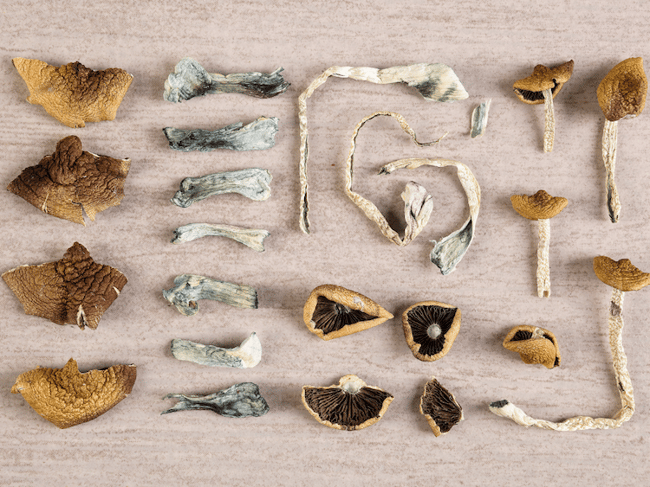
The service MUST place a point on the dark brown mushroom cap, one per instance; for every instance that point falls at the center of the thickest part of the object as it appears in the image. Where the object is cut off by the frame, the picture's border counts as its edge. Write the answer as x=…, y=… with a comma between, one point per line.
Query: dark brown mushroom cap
x=529, y=90
x=73, y=290
x=534, y=345
x=350, y=405
x=620, y=274
x=623, y=90
x=66, y=397
x=63, y=183
x=540, y=206
x=440, y=408
x=334, y=311
x=430, y=329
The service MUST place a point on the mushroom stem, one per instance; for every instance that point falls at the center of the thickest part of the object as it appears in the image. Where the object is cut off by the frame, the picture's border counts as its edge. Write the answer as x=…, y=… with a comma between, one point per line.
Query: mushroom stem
x=549, y=121
x=543, y=267
x=610, y=132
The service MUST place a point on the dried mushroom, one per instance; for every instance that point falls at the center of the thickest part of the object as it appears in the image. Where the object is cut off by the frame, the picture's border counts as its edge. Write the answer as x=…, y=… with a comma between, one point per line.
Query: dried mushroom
x=245, y=356
x=73, y=93
x=480, y=119
x=350, y=405
x=621, y=93
x=252, y=238
x=430, y=329
x=72, y=181
x=440, y=408
x=541, y=207
x=334, y=311
x=534, y=345
x=66, y=397
x=239, y=401
x=73, y=290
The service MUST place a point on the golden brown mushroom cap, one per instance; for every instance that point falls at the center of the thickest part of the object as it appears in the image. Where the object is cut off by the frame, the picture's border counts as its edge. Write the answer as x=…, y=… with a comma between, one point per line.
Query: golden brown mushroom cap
x=623, y=90
x=440, y=408
x=334, y=311
x=620, y=274
x=540, y=206
x=529, y=90
x=66, y=397
x=72, y=93
x=430, y=329
x=534, y=345
x=350, y=405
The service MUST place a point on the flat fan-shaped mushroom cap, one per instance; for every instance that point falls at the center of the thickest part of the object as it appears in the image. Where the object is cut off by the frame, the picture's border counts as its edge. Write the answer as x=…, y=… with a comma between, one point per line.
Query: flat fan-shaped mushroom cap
x=529, y=90
x=430, y=329
x=620, y=274
x=623, y=90
x=66, y=397
x=350, y=405
x=440, y=408
x=334, y=311
x=540, y=206
x=534, y=345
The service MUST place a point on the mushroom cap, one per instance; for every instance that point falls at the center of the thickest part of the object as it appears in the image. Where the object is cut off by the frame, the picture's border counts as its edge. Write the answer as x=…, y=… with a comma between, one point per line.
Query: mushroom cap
x=620, y=274
x=540, y=206
x=623, y=90
x=430, y=329
x=534, y=345
x=66, y=397
x=350, y=405
x=334, y=311
x=440, y=407
x=529, y=90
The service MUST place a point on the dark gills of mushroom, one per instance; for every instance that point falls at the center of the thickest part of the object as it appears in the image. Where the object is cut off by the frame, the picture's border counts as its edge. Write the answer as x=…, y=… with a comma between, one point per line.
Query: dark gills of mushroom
x=440, y=408
x=534, y=345
x=330, y=316
x=430, y=329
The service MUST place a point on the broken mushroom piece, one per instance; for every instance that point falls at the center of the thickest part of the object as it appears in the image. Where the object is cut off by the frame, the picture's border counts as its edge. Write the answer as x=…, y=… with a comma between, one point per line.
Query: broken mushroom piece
x=440, y=408
x=72, y=93
x=242, y=400
x=334, y=311
x=621, y=94
x=480, y=119
x=534, y=345
x=541, y=87
x=252, y=238
x=430, y=329
x=73, y=290
x=245, y=356
x=66, y=397
x=350, y=405
x=541, y=207
x=72, y=181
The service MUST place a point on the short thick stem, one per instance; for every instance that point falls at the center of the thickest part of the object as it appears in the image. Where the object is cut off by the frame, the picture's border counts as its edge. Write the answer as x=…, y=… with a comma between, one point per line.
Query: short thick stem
x=549, y=121
x=543, y=267
x=610, y=132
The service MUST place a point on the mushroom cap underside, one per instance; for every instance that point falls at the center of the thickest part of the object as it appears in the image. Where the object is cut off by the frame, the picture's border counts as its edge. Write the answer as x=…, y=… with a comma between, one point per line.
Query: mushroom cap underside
x=530, y=89
x=620, y=274
x=430, y=328
x=623, y=90
x=540, y=206
x=440, y=407
x=534, y=345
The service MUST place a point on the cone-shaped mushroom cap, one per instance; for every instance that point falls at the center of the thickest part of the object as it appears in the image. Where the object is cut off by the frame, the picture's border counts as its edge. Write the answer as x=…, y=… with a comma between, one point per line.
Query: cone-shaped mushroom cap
x=430, y=329
x=333, y=311
x=534, y=345
x=623, y=90
x=540, y=206
x=621, y=275
x=350, y=405
x=529, y=90
x=66, y=397
x=440, y=408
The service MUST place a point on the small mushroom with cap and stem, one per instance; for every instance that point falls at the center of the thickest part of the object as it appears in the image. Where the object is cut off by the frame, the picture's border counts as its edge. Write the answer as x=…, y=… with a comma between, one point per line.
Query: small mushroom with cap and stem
x=621, y=94
x=534, y=345
x=541, y=207
x=430, y=329
x=541, y=87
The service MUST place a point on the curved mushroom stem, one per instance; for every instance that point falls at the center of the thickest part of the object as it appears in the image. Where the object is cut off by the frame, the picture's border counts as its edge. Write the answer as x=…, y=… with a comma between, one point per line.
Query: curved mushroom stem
x=549, y=121
x=610, y=132
x=506, y=409
x=543, y=267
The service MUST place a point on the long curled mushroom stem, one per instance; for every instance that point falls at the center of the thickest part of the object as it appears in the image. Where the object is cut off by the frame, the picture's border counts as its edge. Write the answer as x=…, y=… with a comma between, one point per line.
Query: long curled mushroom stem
x=543, y=266
x=549, y=120
x=610, y=133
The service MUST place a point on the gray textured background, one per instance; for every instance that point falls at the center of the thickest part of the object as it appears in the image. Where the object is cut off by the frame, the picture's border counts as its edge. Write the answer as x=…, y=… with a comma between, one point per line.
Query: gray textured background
x=494, y=285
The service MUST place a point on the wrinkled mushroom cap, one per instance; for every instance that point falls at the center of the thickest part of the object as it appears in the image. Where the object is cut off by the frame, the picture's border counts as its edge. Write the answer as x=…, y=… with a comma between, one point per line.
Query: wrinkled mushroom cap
x=66, y=397
x=540, y=206
x=430, y=329
x=334, y=311
x=623, y=90
x=350, y=405
x=440, y=408
x=534, y=345
x=529, y=90
x=620, y=274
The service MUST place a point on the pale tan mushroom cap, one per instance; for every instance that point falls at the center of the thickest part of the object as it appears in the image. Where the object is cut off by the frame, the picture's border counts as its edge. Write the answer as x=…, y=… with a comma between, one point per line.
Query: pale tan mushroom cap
x=417, y=320
x=534, y=345
x=67, y=397
x=620, y=274
x=623, y=90
x=540, y=206
x=529, y=90
x=72, y=93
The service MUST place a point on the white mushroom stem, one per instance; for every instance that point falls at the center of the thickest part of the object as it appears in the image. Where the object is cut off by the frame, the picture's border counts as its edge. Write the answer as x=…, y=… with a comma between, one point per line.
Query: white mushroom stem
x=549, y=121
x=506, y=409
x=543, y=266
x=610, y=133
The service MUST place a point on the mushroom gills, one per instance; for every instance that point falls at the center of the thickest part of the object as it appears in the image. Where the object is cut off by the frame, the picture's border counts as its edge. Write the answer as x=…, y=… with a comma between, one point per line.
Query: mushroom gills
x=535, y=95
x=330, y=316
x=429, y=325
x=440, y=408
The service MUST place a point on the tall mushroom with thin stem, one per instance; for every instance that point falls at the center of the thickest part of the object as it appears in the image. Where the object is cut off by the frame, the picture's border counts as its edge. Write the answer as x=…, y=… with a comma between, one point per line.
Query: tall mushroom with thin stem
x=541, y=87
x=621, y=94
x=541, y=207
